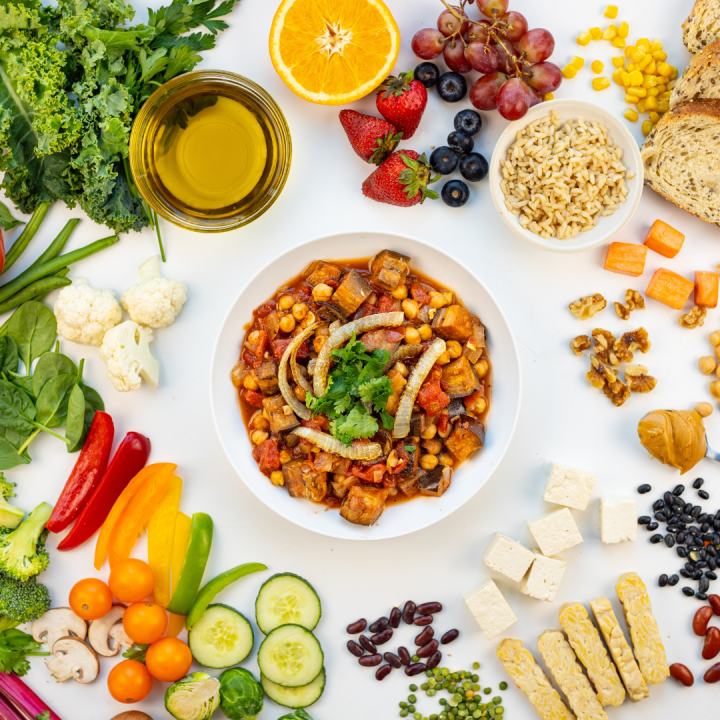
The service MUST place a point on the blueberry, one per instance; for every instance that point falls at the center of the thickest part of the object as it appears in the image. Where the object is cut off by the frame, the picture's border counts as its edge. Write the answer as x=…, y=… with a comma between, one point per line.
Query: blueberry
x=444, y=160
x=452, y=87
x=427, y=73
x=460, y=142
x=455, y=193
x=468, y=121
x=474, y=167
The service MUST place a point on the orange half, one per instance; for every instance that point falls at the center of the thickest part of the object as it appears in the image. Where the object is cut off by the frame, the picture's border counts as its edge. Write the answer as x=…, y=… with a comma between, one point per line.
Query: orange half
x=333, y=51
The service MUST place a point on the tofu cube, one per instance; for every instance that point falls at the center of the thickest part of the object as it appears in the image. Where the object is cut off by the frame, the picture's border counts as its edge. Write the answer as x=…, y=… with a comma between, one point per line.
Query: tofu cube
x=554, y=532
x=490, y=609
x=618, y=519
x=569, y=487
x=543, y=579
x=508, y=557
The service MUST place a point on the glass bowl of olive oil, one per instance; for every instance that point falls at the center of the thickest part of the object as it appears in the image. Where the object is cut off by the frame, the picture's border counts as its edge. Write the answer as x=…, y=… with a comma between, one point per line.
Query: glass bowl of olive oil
x=210, y=151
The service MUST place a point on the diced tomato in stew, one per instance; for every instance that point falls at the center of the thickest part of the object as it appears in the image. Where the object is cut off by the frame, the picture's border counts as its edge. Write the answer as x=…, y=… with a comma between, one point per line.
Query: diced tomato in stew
x=432, y=399
x=279, y=347
x=372, y=473
x=265, y=309
x=385, y=304
x=443, y=423
x=469, y=400
x=258, y=347
x=267, y=455
x=319, y=423
x=419, y=293
x=251, y=360
x=254, y=397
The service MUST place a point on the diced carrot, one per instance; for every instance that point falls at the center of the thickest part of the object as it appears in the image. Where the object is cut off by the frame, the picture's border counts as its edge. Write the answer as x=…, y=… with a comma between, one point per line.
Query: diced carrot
x=670, y=288
x=626, y=258
x=664, y=239
x=706, y=289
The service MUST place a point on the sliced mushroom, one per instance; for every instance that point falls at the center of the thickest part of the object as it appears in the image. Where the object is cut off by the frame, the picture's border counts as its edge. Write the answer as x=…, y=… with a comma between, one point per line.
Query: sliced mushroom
x=109, y=628
x=72, y=658
x=57, y=623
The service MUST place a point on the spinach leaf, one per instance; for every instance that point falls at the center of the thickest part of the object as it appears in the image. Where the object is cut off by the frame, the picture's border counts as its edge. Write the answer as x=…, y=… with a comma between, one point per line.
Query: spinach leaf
x=16, y=409
x=33, y=327
x=9, y=359
x=93, y=404
x=7, y=221
x=9, y=457
x=52, y=402
x=75, y=428
x=24, y=382
x=50, y=365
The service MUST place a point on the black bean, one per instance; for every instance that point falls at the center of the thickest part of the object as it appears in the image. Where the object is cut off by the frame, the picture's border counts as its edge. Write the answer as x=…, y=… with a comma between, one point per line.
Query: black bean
x=703, y=554
x=678, y=490
x=701, y=564
x=690, y=567
x=370, y=660
x=382, y=637
x=693, y=530
x=382, y=672
x=698, y=483
x=662, y=580
x=415, y=669
x=704, y=494
x=707, y=537
x=681, y=537
x=379, y=625
x=395, y=617
x=392, y=659
x=652, y=526
x=434, y=660
x=703, y=584
x=644, y=489
x=428, y=649
x=357, y=627
x=687, y=509
x=710, y=575
x=671, y=529
x=704, y=527
x=696, y=510
x=423, y=620
x=660, y=516
x=659, y=504
x=355, y=649
x=656, y=539
x=365, y=642
x=712, y=563
x=404, y=655
x=685, y=573
x=716, y=524
x=701, y=596
x=672, y=520
x=704, y=518
x=449, y=636
x=668, y=499
x=681, y=525
x=429, y=608
x=425, y=636
x=716, y=538
x=673, y=580
x=408, y=612
x=688, y=591
x=644, y=519
x=670, y=540
x=686, y=518
x=681, y=551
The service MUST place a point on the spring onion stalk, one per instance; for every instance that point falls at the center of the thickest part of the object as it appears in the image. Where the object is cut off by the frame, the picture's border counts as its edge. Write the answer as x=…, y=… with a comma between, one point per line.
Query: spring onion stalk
x=35, y=291
x=24, y=238
x=157, y=231
x=13, y=689
x=57, y=245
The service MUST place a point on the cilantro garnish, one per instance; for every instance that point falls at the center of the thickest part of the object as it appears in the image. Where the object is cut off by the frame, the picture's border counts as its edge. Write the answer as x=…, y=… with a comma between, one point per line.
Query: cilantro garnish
x=356, y=378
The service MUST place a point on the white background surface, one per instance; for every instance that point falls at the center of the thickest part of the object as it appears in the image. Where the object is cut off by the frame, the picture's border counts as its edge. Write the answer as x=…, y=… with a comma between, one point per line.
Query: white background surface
x=562, y=419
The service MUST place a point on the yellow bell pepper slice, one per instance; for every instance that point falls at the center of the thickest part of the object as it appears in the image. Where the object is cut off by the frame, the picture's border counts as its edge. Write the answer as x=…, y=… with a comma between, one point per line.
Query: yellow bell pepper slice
x=183, y=525
x=161, y=533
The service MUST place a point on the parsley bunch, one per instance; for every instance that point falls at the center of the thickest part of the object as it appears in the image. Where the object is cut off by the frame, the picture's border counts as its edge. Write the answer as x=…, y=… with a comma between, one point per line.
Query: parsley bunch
x=357, y=378
x=15, y=648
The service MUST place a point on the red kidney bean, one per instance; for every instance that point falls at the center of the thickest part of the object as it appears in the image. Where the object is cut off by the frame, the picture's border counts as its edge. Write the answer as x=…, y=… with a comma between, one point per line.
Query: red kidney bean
x=425, y=636
x=449, y=636
x=713, y=674
x=382, y=672
x=408, y=612
x=714, y=601
x=429, y=608
x=712, y=644
x=404, y=655
x=423, y=620
x=701, y=620
x=427, y=650
x=682, y=674
x=370, y=660
x=395, y=617
x=434, y=660
x=379, y=625
x=382, y=637
x=355, y=649
x=392, y=659
x=415, y=669
x=367, y=644
x=357, y=627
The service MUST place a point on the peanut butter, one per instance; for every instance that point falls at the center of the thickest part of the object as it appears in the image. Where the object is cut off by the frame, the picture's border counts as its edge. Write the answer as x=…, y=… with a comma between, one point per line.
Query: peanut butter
x=674, y=437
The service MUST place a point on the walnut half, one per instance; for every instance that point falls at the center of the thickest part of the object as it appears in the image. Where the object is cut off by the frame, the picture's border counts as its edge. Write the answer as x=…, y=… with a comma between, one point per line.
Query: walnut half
x=603, y=348
x=633, y=301
x=600, y=374
x=586, y=307
x=580, y=344
x=638, y=380
x=695, y=318
x=618, y=392
x=629, y=342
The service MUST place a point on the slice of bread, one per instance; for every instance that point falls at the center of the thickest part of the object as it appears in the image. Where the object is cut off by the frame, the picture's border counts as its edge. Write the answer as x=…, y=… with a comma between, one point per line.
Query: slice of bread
x=701, y=78
x=702, y=26
x=682, y=161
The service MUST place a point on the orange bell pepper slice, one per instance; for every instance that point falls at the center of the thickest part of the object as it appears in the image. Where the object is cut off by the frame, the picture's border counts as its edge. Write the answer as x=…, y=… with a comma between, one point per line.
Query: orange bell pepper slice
x=183, y=525
x=161, y=533
x=103, y=541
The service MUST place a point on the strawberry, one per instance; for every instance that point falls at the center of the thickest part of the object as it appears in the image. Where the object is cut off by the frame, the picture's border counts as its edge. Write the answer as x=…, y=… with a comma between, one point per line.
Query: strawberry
x=402, y=102
x=401, y=180
x=373, y=139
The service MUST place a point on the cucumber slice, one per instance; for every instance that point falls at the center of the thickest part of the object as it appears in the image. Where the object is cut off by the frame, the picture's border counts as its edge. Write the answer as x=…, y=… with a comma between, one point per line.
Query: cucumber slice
x=290, y=656
x=295, y=697
x=221, y=637
x=287, y=599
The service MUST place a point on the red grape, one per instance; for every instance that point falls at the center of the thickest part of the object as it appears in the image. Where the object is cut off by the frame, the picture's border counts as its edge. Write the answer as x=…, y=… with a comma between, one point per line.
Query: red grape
x=507, y=62
x=535, y=97
x=545, y=77
x=448, y=24
x=484, y=92
x=537, y=45
x=514, y=99
x=454, y=54
x=492, y=8
x=483, y=58
x=516, y=25
x=478, y=31
x=428, y=43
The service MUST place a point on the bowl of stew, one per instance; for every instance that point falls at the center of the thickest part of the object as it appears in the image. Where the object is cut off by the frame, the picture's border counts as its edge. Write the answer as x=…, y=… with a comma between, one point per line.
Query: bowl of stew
x=365, y=385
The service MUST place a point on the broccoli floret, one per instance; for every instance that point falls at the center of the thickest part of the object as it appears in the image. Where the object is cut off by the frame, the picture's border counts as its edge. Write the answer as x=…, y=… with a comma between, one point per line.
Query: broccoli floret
x=22, y=551
x=6, y=487
x=21, y=602
x=10, y=516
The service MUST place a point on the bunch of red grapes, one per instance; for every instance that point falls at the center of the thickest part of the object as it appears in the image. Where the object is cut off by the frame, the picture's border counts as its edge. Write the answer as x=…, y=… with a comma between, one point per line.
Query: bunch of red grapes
x=512, y=59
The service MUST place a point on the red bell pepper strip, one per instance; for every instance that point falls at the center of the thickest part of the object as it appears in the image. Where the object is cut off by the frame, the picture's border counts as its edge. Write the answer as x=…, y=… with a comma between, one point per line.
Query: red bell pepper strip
x=127, y=462
x=86, y=474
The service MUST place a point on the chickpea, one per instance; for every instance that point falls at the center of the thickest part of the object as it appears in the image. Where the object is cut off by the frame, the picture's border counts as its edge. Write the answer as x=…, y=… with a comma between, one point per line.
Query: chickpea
x=448, y=296
x=286, y=302
x=392, y=459
x=429, y=432
x=410, y=308
x=437, y=300
x=400, y=292
x=401, y=369
x=707, y=364
x=260, y=436
x=338, y=477
x=285, y=457
x=425, y=332
x=322, y=292
x=428, y=462
x=254, y=337
x=318, y=342
x=479, y=406
x=715, y=389
x=444, y=359
x=714, y=338
x=392, y=492
x=259, y=422
x=481, y=367
x=445, y=459
x=392, y=404
x=717, y=351
x=412, y=336
x=277, y=478
x=299, y=311
x=717, y=370
x=703, y=409
x=445, y=433
x=249, y=382
x=454, y=348
x=287, y=323
x=433, y=446
x=308, y=320
x=237, y=374
x=299, y=393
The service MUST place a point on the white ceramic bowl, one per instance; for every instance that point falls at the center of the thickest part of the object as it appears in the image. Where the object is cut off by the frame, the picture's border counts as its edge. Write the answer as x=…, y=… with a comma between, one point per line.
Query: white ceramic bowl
x=607, y=227
x=403, y=518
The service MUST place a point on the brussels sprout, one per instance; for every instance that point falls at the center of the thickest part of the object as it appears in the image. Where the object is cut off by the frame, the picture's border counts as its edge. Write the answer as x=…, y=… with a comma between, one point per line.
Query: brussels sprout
x=241, y=695
x=195, y=697
x=296, y=715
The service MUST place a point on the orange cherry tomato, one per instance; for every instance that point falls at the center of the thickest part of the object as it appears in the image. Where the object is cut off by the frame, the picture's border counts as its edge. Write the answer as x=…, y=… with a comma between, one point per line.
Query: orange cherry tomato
x=131, y=580
x=145, y=622
x=168, y=659
x=129, y=681
x=91, y=599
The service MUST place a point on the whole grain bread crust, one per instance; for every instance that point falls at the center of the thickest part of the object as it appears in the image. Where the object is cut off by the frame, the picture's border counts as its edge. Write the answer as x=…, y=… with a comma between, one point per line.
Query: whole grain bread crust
x=692, y=33
x=705, y=63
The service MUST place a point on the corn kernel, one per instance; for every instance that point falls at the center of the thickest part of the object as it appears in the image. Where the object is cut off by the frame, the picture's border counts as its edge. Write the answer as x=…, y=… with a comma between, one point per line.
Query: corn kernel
x=636, y=78
x=673, y=72
x=618, y=62
x=618, y=42
x=569, y=71
x=651, y=103
x=611, y=11
x=644, y=62
x=653, y=92
x=602, y=83
x=656, y=45
x=643, y=43
x=650, y=81
x=577, y=62
x=597, y=67
x=637, y=55
x=641, y=106
x=584, y=39
x=626, y=79
x=596, y=33
x=637, y=91
x=630, y=67
x=610, y=32
x=664, y=69
x=617, y=77
x=623, y=30
x=661, y=87
x=663, y=105
x=647, y=127
x=651, y=67
x=659, y=55
x=629, y=50
x=631, y=115
x=548, y=96
x=665, y=95
x=631, y=99
x=653, y=116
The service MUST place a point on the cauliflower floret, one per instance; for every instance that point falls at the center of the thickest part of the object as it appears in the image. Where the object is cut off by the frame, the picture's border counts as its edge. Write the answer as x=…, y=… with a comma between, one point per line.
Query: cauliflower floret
x=85, y=314
x=126, y=352
x=155, y=301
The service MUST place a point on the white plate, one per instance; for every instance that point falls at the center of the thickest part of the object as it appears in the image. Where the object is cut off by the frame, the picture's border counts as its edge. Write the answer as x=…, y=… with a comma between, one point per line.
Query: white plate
x=607, y=227
x=406, y=517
